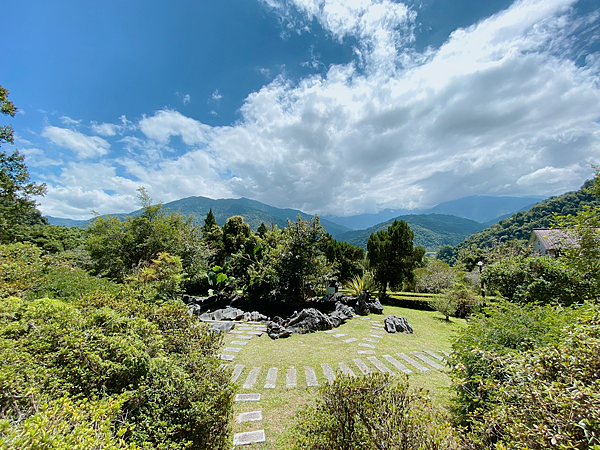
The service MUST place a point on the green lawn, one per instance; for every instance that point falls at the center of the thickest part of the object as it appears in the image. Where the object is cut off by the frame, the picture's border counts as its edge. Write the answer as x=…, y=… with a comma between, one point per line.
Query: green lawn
x=279, y=405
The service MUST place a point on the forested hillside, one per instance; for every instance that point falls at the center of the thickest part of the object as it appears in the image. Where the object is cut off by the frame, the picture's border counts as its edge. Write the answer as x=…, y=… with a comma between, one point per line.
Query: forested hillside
x=520, y=225
x=431, y=230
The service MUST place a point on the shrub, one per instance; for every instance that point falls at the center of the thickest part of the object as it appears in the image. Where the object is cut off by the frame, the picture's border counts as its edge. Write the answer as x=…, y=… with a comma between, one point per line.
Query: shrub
x=435, y=278
x=372, y=412
x=549, y=398
x=455, y=302
x=20, y=266
x=502, y=329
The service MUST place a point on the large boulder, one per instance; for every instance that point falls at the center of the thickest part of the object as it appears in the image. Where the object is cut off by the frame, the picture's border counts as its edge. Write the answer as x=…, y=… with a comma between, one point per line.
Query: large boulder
x=222, y=327
x=395, y=324
x=223, y=314
x=375, y=305
x=255, y=316
x=309, y=320
x=276, y=331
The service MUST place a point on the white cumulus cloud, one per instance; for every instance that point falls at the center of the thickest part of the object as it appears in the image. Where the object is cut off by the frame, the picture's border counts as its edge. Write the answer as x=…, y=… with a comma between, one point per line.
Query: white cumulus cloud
x=85, y=146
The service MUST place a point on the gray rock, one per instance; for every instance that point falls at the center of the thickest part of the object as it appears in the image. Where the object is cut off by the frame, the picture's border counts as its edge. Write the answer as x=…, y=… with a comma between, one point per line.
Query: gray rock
x=232, y=313
x=395, y=324
x=254, y=316
x=276, y=331
x=361, y=304
x=344, y=310
x=309, y=320
x=223, y=327
x=375, y=306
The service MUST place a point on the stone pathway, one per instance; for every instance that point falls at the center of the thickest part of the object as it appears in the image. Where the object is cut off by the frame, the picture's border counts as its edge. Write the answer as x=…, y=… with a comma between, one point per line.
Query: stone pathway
x=290, y=378
x=248, y=437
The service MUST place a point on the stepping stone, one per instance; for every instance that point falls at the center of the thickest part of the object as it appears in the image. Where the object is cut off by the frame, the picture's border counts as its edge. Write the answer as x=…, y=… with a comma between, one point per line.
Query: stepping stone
x=227, y=357
x=290, y=378
x=237, y=371
x=328, y=372
x=429, y=361
x=397, y=364
x=366, y=352
x=346, y=370
x=340, y=335
x=232, y=349
x=247, y=398
x=311, y=377
x=249, y=437
x=411, y=361
x=245, y=328
x=254, y=322
x=380, y=333
x=366, y=345
x=330, y=331
x=376, y=327
x=235, y=332
x=434, y=355
x=239, y=342
x=255, y=333
x=271, y=378
x=347, y=341
x=251, y=379
x=362, y=366
x=252, y=416
x=365, y=318
x=244, y=336
x=376, y=336
x=445, y=353
x=376, y=341
x=379, y=365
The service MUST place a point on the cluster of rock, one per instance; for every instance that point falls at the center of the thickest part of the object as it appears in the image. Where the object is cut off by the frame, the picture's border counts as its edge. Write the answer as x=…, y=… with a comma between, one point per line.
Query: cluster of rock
x=309, y=320
x=395, y=324
x=363, y=304
x=224, y=319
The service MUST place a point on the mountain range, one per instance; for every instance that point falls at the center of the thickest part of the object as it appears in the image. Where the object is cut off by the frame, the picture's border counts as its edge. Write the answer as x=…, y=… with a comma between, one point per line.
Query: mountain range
x=448, y=223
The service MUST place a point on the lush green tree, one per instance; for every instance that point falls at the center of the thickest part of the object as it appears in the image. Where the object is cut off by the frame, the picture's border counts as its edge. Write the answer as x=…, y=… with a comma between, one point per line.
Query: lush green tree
x=120, y=248
x=17, y=191
x=436, y=277
x=7, y=108
x=392, y=256
x=348, y=258
x=446, y=253
x=209, y=222
x=262, y=230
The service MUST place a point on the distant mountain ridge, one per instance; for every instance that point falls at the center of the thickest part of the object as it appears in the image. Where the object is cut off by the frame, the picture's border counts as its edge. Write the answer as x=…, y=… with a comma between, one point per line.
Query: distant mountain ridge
x=253, y=212
x=480, y=208
x=431, y=230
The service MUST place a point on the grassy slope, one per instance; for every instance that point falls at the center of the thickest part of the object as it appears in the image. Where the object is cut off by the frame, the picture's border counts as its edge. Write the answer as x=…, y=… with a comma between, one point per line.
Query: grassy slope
x=279, y=405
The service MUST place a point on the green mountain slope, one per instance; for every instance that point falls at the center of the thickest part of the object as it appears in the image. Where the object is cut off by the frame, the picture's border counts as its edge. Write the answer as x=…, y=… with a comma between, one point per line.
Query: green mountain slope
x=521, y=224
x=431, y=230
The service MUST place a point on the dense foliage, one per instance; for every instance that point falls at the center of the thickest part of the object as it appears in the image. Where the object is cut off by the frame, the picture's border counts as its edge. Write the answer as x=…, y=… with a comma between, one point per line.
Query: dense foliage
x=150, y=366
x=121, y=248
x=392, y=256
x=372, y=412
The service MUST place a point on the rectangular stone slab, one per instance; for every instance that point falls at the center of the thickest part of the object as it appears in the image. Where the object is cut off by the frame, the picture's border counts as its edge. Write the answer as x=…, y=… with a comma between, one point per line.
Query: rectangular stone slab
x=376, y=341
x=413, y=362
x=227, y=357
x=311, y=377
x=347, y=370
x=239, y=342
x=434, y=355
x=397, y=364
x=271, y=378
x=445, y=353
x=347, y=341
x=237, y=371
x=362, y=366
x=290, y=378
x=247, y=398
x=235, y=332
x=380, y=366
x=366, y=345
x=379, y=333
x=429, y=361
x=328, y=372
x=249, y=437
x=232, y=349
x=245, y=328
x=251, y=379
x=245, y=337
x=255, y=333
x=251, y=416
x=366, y=352
x=330, y=331
x=340, y=335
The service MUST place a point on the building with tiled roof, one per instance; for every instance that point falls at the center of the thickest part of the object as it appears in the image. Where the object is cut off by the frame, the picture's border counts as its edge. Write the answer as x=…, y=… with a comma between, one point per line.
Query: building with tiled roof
x=550, y=241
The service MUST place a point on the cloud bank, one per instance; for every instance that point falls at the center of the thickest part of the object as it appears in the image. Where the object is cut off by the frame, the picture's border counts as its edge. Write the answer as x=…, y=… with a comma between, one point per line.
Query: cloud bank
x=501, y=108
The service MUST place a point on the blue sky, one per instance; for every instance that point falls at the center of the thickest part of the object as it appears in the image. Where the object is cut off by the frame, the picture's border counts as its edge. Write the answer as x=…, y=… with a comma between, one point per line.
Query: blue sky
x=329, y=106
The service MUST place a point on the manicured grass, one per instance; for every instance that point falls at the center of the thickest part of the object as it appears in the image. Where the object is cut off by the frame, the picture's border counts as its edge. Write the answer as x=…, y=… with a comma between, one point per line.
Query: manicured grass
x=279, y=405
